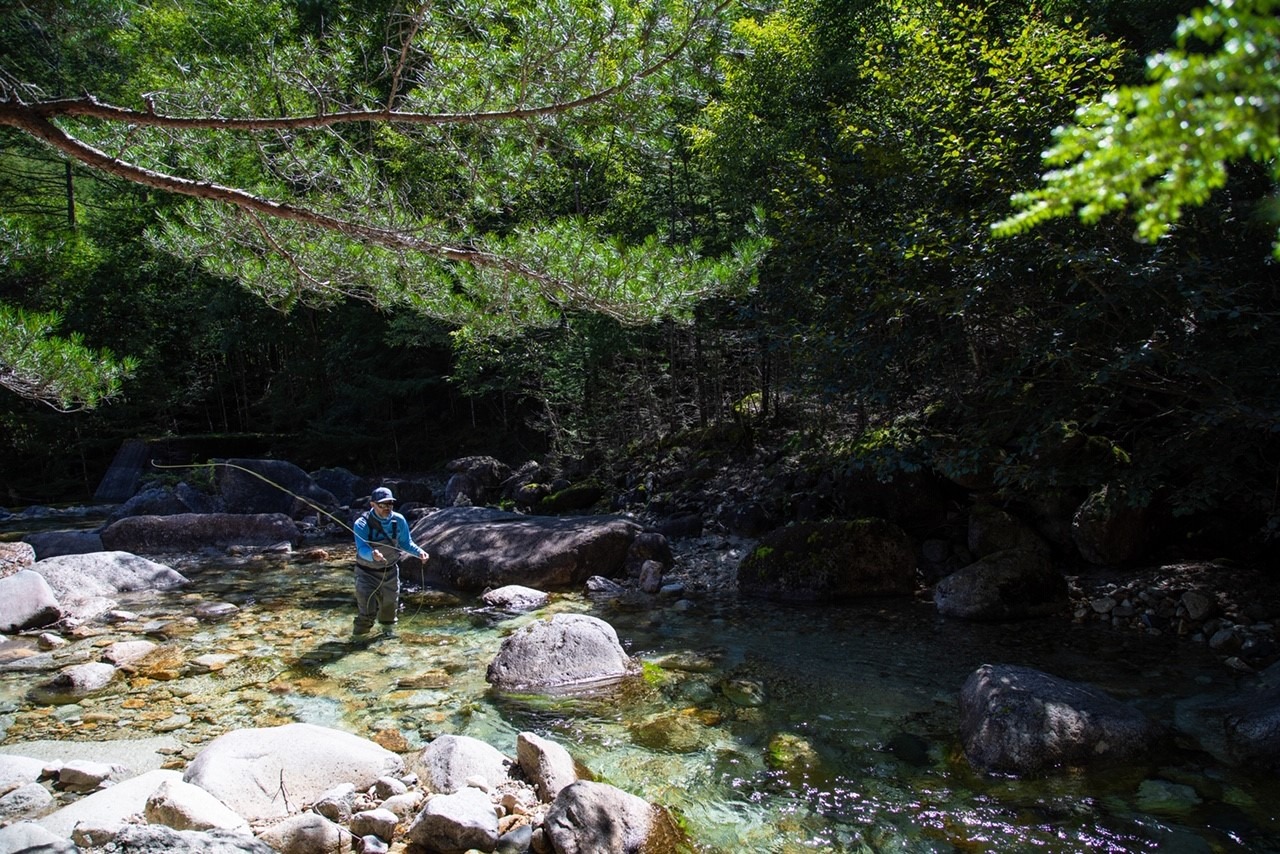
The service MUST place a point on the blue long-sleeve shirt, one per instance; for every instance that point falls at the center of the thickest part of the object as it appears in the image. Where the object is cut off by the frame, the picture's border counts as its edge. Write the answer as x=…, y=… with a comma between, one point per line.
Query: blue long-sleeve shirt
x=390, y=536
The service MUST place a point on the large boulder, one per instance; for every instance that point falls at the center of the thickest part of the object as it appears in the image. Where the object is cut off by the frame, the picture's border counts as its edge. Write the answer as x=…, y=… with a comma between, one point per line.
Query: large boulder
x=1014, y=584
x=994, y=530
x=1241, y=727
x=1107, y=529
x=477, y=548
x=269, y=486
x=86, y=584
x=55, y=543
x=189, y=531
x=1019, y=720
x=475, y=480
x=105, y=574
x=596, y=818
x=274, y=772
x=164, y=501
x=1252, y=728
x=27, y=602
x=822, y=561
x=345, y=486
x=564, y=651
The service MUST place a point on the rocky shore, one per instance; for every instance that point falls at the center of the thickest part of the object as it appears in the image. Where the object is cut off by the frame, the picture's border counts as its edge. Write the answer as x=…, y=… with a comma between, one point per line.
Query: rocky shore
x=301, y=789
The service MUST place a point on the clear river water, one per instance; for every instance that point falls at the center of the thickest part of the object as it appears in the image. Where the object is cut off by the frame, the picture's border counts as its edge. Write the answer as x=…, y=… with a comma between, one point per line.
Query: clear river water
x=763, y=727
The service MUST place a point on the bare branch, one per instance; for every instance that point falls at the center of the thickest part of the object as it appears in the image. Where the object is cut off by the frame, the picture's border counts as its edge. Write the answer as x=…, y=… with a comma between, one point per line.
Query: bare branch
x=415, y=24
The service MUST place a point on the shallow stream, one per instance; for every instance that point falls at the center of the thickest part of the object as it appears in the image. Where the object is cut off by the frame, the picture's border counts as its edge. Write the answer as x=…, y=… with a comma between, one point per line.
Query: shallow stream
x=764, y=728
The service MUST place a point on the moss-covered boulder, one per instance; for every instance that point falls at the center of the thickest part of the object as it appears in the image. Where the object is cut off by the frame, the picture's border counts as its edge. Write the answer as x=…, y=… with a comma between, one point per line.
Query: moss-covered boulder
x=822, y=561
x=579, y=496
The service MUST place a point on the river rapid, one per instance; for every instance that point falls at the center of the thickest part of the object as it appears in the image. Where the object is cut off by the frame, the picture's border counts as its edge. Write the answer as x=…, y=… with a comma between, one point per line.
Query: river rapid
x=762, y=727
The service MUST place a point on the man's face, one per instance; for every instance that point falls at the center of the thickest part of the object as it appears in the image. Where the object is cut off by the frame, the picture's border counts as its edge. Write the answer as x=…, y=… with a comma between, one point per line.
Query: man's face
x=383, y=508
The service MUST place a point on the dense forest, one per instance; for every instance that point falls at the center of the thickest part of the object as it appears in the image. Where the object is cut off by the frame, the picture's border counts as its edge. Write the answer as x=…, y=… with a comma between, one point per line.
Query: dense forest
x=1030, y=244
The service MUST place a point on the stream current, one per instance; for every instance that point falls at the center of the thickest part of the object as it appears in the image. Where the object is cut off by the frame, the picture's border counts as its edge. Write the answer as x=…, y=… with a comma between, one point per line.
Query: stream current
x=762, y=727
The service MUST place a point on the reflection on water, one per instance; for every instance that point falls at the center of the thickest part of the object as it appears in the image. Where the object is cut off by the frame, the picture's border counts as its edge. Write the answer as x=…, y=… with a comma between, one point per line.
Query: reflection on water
x=765, y=728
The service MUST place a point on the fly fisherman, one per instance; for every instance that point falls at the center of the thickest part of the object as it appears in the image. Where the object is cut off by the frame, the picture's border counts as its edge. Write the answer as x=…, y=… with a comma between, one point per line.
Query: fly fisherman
x=382, y=538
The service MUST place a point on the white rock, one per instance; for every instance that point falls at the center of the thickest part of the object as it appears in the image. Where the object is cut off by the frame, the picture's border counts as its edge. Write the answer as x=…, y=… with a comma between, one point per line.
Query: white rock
x=183, y=806
x=274, y=772
x=548, y=765
x=380, y=823
x=109, y=807
x=308, y=833
x=29, y=799
x=124, y=653
x=456, y=822
x=449, y=760
x=82, y=775
x=17, y=770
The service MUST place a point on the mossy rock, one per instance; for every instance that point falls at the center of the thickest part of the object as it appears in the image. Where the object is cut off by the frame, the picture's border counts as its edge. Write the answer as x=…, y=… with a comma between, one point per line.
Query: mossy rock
x=820, y=561
x=792, y=753
x=579, y=496
x=670, y=731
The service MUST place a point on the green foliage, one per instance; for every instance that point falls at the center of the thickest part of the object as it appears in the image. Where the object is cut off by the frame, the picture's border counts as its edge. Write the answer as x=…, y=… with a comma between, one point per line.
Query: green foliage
x=459, y=193
x=1162, y=147
x=62, y=371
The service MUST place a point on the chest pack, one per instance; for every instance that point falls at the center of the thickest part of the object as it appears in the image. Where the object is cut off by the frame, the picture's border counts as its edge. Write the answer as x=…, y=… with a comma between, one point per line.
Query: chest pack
x=379, y=534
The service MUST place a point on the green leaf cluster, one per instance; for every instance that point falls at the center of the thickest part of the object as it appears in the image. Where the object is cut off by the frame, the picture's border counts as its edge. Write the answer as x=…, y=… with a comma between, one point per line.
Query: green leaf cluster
x=1158, y=148
x=60, y=370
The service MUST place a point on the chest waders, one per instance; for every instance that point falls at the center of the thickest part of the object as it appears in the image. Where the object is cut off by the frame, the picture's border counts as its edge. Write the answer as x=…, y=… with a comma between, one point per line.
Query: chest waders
x=378, y=582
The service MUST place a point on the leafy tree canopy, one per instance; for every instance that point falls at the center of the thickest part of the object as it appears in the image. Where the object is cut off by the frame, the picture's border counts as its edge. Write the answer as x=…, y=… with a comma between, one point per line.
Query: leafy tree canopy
x=1158, y=148
x=330, y=150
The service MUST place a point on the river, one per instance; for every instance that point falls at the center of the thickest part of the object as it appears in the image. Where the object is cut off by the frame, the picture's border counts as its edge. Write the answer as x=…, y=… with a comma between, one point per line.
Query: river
x=764, y=728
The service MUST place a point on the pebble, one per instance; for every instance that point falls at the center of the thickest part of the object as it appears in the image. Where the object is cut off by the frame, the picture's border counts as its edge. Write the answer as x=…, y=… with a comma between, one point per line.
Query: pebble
x=173, y=722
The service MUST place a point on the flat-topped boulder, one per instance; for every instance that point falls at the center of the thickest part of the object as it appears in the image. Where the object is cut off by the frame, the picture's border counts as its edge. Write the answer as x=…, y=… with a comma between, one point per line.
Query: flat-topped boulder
x=192, y=531
x=477, y=548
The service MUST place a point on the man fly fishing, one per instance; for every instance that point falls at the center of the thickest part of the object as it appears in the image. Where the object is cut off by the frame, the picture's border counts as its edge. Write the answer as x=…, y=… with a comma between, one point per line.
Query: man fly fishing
x=382, y=539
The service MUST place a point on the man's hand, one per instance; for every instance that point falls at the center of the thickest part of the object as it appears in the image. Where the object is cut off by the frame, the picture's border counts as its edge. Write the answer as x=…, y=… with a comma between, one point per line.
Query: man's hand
x=377, y=555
